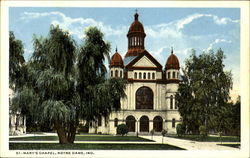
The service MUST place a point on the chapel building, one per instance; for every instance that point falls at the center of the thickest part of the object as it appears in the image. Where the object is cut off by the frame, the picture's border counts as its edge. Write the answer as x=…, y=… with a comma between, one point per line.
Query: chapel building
x=150, y=102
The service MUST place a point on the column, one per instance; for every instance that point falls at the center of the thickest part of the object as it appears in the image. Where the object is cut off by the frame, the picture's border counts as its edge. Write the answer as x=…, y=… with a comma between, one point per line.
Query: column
x=151, y=125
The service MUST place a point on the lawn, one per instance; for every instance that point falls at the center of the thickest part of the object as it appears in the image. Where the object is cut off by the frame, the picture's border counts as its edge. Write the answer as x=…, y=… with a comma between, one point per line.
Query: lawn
x=208, y=138
x=80, y=146
x=84, y=138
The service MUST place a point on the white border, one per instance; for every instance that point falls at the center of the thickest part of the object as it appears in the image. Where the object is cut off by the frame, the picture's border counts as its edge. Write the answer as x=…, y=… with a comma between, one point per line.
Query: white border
x=244, y=80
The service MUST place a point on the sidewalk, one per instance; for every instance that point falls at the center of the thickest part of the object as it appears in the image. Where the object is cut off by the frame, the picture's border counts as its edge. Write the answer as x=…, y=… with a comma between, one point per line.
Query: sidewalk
x=191, y=145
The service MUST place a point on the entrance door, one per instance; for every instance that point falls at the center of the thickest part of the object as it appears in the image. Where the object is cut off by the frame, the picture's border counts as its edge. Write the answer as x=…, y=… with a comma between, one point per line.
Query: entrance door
x=157, y=124
x=130, y=122
x=144, y=124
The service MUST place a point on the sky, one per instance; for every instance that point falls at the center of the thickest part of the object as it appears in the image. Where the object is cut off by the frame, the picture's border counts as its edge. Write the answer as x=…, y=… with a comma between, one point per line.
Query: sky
x=202, y=29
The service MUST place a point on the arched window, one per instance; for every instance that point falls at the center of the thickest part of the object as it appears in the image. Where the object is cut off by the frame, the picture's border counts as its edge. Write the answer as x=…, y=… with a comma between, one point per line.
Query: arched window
x=121, y=73
x=144, y=124
x=149, y=75
x=157, y=124
x=144, y=98
x=140, y=75
x=99, y=120
x=177, y=75
x=144, y=75
x=116, y=122
x=135, y=75
x=173, y=74
x=171, y=102
x=153, y=75
x=130, y=122
x=173, y=123
x=111, y=73
x=116, y=73
x=168, y=75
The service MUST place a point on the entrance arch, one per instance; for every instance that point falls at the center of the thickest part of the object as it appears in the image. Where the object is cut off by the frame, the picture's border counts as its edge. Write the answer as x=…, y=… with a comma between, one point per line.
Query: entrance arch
x=144, y=98
x=130, y=122
x=157, y=123
x=144, y=124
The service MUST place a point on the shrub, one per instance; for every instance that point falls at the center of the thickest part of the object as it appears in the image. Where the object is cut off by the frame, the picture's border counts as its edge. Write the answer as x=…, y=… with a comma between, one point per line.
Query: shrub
x=180, y=129
x=203, y=131
x=122, y=129
x=164, y=132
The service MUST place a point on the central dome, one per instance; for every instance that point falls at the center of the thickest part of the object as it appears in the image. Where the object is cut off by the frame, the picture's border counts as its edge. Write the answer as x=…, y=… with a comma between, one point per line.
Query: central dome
x=136, y=26
x=136, y=37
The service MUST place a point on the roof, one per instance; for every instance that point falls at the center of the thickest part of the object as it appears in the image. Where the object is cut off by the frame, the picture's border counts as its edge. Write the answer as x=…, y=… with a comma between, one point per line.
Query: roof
x=149, y=56
x=172, y=62
x=116, y=60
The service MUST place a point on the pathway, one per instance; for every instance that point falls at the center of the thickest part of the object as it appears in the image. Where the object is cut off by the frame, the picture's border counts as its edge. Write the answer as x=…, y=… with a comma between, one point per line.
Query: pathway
x=191, y=145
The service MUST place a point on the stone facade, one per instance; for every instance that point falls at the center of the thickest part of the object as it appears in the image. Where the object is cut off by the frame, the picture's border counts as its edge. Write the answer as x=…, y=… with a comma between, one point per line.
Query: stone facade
x=150, y=102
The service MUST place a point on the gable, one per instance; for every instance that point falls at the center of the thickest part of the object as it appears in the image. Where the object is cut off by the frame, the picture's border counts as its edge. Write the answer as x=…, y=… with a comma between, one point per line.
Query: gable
x=144, y=62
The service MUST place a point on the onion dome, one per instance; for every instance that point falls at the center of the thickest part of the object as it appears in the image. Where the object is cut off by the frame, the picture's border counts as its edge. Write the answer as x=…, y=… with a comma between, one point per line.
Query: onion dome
x=136, y=37
x=116, y=60
x=136, y=26
x=172, y=62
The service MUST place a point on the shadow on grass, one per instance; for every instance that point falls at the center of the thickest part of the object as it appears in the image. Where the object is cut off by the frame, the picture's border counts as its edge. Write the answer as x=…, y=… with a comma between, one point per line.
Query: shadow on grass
x=79, y=146
x=208, y=138
x=84, y=138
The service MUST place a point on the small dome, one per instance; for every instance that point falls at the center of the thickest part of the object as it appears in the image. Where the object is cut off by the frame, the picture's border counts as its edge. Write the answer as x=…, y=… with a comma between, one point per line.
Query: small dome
x=136, y=26
x=116, y=60
x=172, y=62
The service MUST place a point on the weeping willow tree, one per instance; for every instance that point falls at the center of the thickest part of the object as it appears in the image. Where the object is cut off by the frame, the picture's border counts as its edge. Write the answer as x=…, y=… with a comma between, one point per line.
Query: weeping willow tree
x=98, y=95
x=61, y=90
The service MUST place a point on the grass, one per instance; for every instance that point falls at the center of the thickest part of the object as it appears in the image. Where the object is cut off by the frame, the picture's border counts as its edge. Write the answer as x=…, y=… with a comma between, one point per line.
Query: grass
x=79, y=146
x=84, y=138
x=208, y=138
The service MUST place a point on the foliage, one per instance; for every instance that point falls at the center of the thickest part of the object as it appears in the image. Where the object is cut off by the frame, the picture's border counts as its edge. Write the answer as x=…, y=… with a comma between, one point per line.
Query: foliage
x=164, y=132
x=235, y=130
x=180, y=129
x=203, y=131
x=204, y=93
x=122, y=129
x=65, y=90
x=16, y=62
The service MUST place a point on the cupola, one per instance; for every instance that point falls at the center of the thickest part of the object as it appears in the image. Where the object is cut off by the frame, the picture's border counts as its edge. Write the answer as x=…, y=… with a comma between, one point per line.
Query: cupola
x=116, y=60
x=172, y=62
x=136, y=37
x=116, y=65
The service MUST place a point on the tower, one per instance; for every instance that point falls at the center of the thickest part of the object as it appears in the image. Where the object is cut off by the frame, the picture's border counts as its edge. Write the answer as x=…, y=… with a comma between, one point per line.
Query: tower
x=172, y=68
x=172, y=76
x=135, y=37
x=116, y=65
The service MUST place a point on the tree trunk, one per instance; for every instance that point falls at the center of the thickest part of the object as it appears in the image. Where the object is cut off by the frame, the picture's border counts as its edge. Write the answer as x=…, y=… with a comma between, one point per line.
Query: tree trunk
x=72, y=132
x=61, y=132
